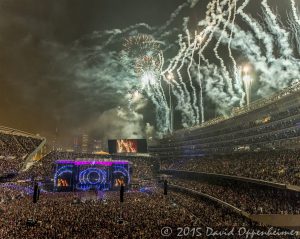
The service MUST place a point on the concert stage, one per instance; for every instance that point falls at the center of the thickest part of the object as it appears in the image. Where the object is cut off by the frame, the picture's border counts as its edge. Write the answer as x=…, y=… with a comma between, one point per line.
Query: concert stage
x=87, y=174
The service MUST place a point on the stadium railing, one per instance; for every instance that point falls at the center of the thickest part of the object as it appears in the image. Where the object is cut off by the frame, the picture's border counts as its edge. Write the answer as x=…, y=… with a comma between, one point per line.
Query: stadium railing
x=236, y=178
x=214, y=199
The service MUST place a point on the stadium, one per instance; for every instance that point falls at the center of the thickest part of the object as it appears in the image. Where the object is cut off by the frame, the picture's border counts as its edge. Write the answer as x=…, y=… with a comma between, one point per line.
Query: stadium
x=158, y=120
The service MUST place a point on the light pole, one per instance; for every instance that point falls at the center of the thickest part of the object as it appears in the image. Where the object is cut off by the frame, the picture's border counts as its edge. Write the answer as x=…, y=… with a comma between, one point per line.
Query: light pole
x=170, y=78
x=247, y=80
x=200, y=39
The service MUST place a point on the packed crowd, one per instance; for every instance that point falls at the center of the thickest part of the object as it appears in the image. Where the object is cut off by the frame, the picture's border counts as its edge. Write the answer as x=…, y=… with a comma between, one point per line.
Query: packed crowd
x=43, y=169
x=142, y=215
x=17, y=145
x=10, y=192
x=27, y=143
x=249, y=198
x=10, y=165
x=62, y=215
x=13, y=150
x=57, y=155
x=10, y=146
x=275, y=166
x=143, y=168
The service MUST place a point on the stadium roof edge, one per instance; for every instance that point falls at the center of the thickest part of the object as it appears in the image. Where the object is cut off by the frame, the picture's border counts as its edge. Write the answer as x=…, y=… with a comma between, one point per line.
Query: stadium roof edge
x=7, y=130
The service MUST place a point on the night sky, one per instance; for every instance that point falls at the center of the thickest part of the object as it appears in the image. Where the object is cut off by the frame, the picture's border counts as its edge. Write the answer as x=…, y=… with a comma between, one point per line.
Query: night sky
x=39, y=92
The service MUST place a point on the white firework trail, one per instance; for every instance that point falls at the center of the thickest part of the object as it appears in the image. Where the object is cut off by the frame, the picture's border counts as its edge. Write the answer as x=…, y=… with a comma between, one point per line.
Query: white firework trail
x=295, y=12
x=164, y=100
x=212, y=26
x=259, y=32
x=214, y=16
x=229, y=43
x=214, y=88
x=171, y=67
x=295, y=32
x=193, y=3
x=193, y=47
x=236, y=79
x=282, y=35
x=156, y=94
x=172, y=18
x=164, y=106
x=187, y=94
x=222, y=87
x=212, y=22
x=226, y=23
x=160, y=118
x=182, y=105
x=161, y=62
x=285, y=69
x=294, y=23
x=237, y=42
x=114, y=33
x=167, y=107
x=249, y=47
x=236, y=84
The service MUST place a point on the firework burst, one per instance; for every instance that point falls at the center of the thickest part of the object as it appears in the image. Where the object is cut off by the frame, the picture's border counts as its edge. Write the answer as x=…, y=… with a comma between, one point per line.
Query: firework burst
x=141, y=53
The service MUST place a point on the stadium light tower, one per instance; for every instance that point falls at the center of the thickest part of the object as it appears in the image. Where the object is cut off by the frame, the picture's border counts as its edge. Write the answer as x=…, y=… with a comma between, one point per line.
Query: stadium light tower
x=247, y=80
x=200, y=38
x=170, y=78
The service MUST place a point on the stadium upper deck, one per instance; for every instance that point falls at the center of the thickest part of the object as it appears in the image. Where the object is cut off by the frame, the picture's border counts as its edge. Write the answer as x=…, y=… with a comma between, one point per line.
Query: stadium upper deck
x=266, y=124
x=17, y=149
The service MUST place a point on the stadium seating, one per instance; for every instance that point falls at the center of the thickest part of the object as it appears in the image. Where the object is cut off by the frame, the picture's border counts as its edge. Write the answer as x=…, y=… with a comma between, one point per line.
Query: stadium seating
x=275, y=166
x=274, y=125
x=15, y=148
x=261, y=143
x=252, y=199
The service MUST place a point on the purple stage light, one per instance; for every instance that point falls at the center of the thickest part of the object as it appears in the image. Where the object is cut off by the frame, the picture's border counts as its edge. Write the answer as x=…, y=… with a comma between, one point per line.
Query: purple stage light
x=65, y=161
x=92, y=162
x=104, y=163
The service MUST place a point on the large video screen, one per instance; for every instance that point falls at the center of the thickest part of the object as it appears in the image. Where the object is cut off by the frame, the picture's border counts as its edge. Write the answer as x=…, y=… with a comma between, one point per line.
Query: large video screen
x=127, y=146
x=64, y=177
